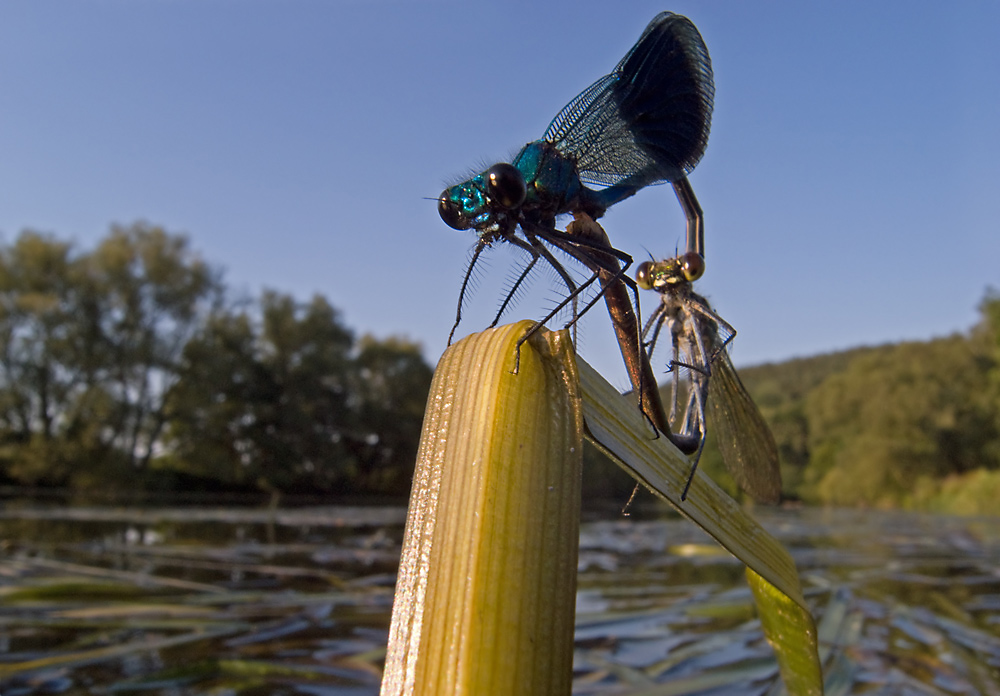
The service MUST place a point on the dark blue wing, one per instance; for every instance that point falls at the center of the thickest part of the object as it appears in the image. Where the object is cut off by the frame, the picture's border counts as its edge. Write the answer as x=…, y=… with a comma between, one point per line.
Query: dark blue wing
x=648, y=121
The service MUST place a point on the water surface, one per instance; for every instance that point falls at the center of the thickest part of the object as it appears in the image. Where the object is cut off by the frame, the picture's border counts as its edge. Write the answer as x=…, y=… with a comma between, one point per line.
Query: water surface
x=248, y=601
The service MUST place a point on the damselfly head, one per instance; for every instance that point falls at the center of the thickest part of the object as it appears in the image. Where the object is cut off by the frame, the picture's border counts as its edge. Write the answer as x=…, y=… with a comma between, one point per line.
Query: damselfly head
x=660, y=275
x=488, y=202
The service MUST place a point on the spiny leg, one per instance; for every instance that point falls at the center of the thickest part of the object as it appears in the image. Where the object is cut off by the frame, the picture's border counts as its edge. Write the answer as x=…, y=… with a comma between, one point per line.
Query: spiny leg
x=656, y=320
x=514, y=288
x=675, y=381
x=461, y=293
x=535, y=247
x=541, y=322
x=574, y=292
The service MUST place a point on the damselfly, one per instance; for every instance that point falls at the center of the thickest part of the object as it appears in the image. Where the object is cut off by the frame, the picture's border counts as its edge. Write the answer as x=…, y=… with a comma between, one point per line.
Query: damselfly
x=645, y=123
x=699, y=339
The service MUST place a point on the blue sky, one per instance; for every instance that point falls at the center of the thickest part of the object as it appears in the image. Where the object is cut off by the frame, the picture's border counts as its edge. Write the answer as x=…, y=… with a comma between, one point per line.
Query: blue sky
x=851, y=184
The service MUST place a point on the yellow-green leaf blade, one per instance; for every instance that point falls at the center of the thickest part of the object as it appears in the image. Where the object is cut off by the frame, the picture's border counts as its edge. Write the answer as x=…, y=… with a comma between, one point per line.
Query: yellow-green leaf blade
x=485, y=597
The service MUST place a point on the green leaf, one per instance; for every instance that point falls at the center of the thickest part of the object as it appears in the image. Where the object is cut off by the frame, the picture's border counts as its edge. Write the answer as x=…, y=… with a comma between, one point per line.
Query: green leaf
x=616, y=426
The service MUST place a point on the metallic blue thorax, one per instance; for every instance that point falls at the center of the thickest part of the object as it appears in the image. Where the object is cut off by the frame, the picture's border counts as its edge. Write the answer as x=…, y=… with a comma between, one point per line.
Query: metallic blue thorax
x=553, y=185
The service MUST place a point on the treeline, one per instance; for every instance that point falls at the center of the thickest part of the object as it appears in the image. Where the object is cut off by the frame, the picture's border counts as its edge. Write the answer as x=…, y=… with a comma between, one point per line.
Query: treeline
x=127, y=367
x=913, y=424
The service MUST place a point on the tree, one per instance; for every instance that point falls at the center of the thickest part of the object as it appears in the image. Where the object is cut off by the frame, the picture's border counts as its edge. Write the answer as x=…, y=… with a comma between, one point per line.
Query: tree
x=302, y=431
x=284, y=400
x=91, y=344
x=267, y=399
x=45, y=364
x=391, y=382
x=212, y=407
x=147, y=296
x=894, y=417
x=986, y=343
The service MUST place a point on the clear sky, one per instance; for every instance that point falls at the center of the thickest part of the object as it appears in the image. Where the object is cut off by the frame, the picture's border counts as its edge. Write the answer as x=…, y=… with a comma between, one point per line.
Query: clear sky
x=851, y=185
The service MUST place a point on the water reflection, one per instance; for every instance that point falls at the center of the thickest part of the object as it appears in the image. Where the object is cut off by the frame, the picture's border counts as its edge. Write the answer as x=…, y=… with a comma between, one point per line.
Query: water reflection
x=237, y=601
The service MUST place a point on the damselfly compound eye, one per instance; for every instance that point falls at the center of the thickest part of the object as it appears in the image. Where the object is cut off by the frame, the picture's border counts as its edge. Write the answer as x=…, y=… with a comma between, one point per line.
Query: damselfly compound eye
x=692, y=266
x=643, y=275
x=506, y=185
x=451, y=213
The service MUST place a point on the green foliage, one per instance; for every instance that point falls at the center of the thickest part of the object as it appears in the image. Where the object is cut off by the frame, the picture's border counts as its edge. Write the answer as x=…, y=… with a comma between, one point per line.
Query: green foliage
x=123, y=366
x=392, y=381
x=90, y=341
x=287, y=401
x=975, y=493
x=896, y=416
x=885, y=426
x=780, y=390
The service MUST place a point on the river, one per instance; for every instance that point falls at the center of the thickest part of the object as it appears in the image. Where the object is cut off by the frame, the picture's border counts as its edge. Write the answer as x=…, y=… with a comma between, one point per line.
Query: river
x=226, y=600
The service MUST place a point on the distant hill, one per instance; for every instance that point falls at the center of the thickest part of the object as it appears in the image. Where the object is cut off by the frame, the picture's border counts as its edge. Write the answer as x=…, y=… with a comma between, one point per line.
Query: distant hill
x=913, y=424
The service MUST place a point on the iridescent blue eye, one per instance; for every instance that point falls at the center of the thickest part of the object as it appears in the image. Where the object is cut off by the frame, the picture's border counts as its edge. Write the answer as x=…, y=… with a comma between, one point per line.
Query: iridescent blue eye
x=506, y=185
